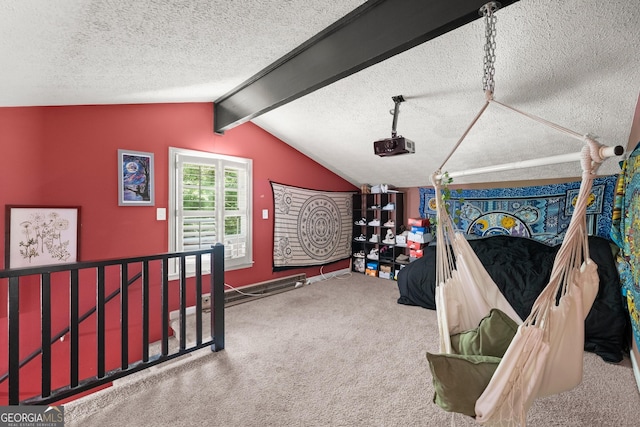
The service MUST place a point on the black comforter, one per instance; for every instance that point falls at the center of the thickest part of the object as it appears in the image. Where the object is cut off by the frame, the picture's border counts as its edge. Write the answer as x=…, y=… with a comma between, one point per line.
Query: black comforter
x=521, y=268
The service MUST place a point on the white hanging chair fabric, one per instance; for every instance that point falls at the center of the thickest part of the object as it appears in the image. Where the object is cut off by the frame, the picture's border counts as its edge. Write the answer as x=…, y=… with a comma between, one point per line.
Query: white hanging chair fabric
x=465, y=292
x=546, y=355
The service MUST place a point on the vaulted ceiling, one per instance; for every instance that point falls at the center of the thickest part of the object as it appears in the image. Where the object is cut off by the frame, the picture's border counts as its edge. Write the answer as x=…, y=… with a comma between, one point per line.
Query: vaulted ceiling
x=573, y=62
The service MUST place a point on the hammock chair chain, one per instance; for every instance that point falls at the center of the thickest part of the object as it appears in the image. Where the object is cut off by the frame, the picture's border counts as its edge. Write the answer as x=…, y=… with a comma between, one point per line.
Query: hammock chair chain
x=488, y=79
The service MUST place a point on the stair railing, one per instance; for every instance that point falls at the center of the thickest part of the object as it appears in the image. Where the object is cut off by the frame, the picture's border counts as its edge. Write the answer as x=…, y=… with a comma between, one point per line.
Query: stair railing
x=77, y=385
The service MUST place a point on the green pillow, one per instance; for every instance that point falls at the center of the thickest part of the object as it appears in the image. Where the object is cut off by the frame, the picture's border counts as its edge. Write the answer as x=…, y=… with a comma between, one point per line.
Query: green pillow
x=460, y=380
x=490, y=338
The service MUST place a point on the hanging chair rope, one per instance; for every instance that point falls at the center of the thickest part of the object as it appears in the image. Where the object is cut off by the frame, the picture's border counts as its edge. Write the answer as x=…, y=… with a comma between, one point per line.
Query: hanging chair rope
x=541, y=120
x=575, y=247
x=597, y=153
x=545, y=357
x=464, y=135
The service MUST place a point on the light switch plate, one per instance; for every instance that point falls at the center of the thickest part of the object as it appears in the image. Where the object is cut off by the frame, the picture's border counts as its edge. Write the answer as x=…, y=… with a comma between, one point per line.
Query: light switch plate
x=161, y=214
x=265, y=213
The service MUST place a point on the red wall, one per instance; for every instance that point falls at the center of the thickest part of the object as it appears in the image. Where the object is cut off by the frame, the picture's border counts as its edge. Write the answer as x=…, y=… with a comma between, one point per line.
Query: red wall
x=68, y=156
x=21, y=175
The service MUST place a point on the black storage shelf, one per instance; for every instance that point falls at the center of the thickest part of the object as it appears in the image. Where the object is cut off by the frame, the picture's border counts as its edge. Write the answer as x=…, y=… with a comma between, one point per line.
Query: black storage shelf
x=385, y=208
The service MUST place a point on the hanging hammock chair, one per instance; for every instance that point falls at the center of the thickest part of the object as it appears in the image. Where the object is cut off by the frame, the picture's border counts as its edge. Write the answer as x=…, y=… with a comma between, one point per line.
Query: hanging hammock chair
x=513, y=360
x=493, y=364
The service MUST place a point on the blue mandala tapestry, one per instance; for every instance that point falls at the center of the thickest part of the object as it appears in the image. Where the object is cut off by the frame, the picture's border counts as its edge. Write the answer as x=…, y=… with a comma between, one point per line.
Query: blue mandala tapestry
x=310, y=227
x=539, y=212
x=626, y=233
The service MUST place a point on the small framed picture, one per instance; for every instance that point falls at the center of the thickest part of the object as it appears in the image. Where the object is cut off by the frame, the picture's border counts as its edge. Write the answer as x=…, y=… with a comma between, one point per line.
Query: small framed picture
x=41, y=235
x=135, y=178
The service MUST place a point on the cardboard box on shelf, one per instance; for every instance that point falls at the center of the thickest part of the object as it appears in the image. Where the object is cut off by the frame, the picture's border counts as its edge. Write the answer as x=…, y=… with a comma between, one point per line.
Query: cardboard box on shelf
x=414, y=245
x=369, y=272
x=384, y=275
x=358, y=265
x=419, y=237
x=418, y=222
x=416, y=253
x=383, y=188
x=372, y=265
x=418, y=230
x=385, y=269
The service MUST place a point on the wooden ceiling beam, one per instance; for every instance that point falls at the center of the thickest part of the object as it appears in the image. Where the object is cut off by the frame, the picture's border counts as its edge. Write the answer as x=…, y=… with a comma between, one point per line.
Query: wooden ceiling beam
x=369, y=34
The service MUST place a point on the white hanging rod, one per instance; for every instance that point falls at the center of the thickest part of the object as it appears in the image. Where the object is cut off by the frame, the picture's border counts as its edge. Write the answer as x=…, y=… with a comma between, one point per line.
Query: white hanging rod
x=604, y=152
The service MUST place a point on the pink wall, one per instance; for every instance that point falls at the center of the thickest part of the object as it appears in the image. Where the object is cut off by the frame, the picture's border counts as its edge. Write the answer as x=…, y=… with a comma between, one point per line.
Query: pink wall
x=411, y=202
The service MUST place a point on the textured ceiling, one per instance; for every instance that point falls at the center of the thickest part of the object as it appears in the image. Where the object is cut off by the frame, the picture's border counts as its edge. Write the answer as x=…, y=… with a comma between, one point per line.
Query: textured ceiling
x=573, y=62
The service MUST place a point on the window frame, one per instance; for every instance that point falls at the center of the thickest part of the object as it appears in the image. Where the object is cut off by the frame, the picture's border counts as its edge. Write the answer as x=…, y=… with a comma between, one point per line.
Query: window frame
x=178, y=156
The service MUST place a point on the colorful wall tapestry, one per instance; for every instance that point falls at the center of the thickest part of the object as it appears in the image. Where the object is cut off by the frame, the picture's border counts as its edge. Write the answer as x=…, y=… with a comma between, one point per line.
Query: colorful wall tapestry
x=310, y=227
x=539, y=212
x=626, y=233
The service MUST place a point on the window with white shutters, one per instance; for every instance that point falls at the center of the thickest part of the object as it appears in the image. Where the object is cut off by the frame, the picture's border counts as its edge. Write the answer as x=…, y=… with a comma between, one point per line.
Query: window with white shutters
x=210, y=203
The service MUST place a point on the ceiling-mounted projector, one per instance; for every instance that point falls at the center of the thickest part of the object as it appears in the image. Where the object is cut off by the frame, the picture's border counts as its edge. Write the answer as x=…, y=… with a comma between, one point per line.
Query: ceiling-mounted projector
x=397, y=144
x=394, y=146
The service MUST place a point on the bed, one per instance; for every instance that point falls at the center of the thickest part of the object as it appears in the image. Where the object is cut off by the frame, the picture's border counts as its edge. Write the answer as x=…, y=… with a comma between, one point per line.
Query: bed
x=521, y=266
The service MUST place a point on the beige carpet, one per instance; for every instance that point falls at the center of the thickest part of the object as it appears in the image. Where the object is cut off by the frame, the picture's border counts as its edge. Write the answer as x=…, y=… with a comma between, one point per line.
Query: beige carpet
x=339, y=352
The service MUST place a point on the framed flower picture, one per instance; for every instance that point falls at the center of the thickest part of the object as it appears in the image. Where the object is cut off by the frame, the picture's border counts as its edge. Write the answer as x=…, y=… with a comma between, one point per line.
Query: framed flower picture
x=41, y=235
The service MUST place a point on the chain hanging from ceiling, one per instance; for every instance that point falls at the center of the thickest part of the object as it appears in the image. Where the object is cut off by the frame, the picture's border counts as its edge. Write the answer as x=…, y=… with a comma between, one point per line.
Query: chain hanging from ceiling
x=488, y=82
x=488, y=79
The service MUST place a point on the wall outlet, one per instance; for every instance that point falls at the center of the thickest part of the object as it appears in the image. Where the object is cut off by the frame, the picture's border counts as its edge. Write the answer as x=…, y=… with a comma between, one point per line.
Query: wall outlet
x=206, y=302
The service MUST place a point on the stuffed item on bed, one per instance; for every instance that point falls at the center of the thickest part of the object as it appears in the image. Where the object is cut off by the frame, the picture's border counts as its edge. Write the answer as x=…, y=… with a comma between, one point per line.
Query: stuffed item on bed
x=521, y=268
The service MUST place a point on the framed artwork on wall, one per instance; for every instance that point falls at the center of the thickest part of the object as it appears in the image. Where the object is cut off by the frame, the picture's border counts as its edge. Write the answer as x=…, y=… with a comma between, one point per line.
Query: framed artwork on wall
x=41, y=235
x=135, y=178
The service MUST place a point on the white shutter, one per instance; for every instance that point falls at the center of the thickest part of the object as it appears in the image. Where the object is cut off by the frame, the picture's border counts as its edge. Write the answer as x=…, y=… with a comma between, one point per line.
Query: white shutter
x=235, y=213
x=197, y=209
x=210, y=203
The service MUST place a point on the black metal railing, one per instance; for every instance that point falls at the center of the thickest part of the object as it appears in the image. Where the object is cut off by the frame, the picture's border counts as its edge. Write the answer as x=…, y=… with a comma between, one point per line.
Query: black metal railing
x=143, y=270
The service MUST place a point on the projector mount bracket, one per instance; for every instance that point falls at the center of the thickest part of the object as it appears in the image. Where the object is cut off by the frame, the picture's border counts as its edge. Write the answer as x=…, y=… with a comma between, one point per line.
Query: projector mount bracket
x=397, y=99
